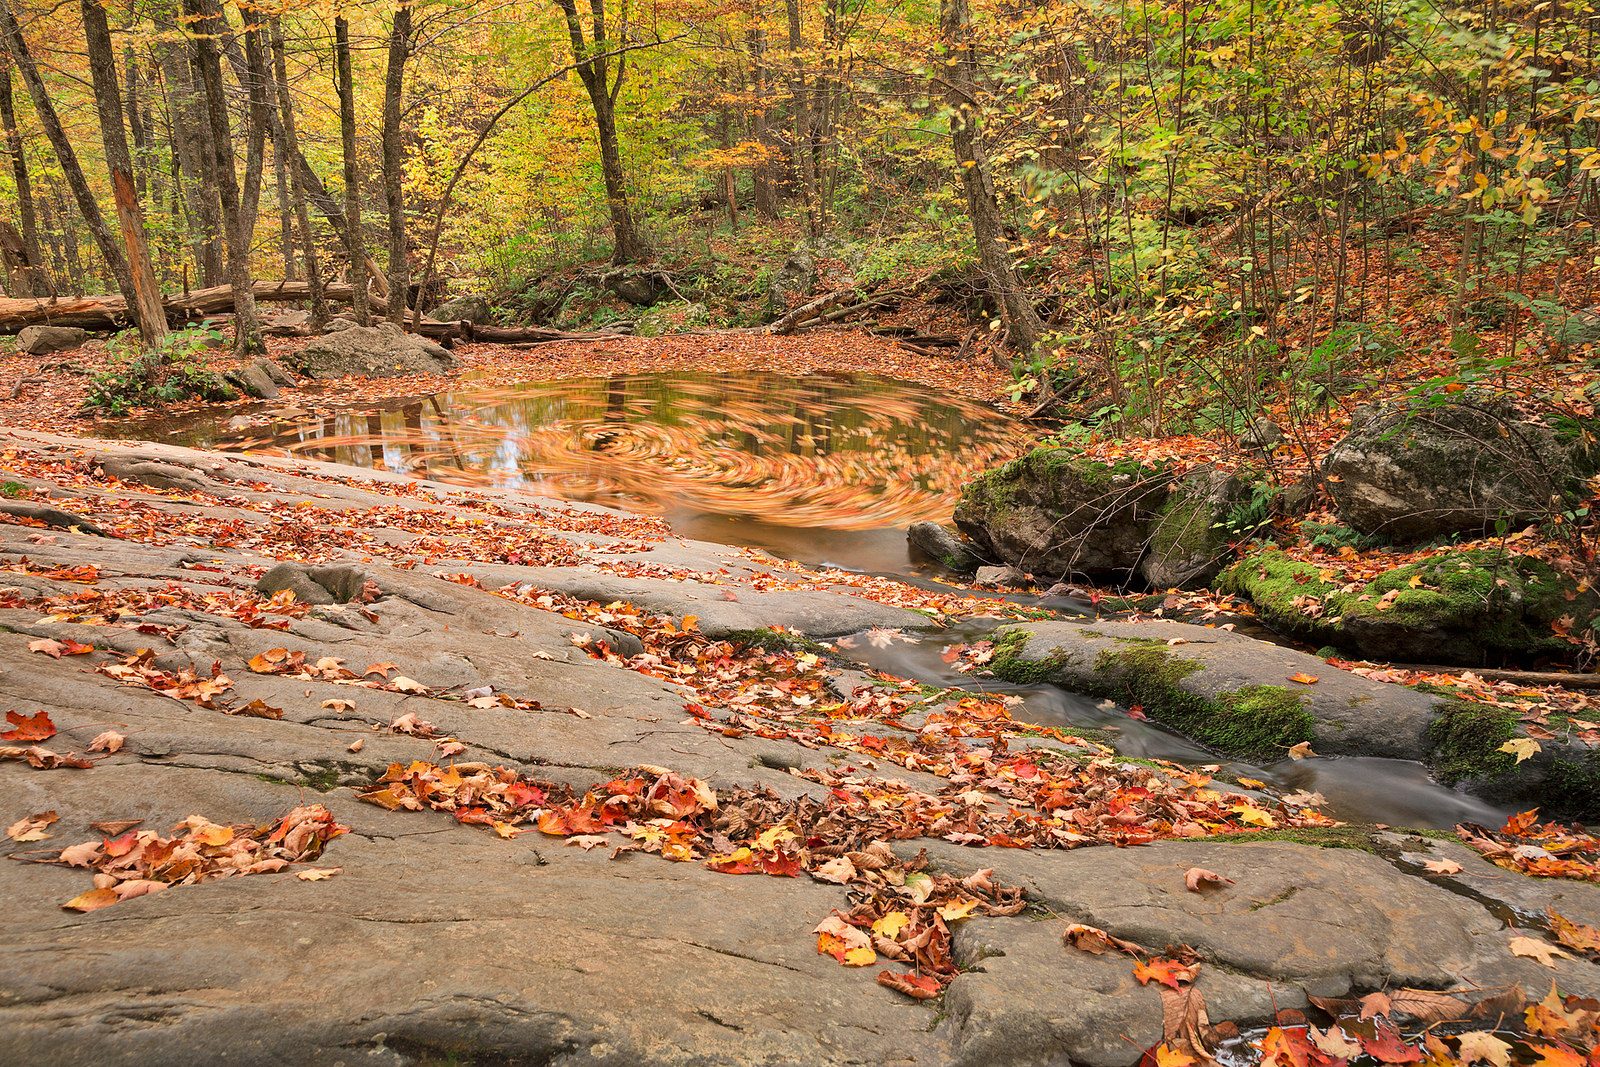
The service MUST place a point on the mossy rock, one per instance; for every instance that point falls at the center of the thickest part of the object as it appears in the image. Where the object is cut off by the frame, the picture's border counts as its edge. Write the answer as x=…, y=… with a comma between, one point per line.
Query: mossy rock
x=1189, y=537
x=1054, y=512
x=1460, y=608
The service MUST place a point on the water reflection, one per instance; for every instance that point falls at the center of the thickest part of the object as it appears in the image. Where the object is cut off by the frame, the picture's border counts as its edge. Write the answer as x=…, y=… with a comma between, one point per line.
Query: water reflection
x=834, y=452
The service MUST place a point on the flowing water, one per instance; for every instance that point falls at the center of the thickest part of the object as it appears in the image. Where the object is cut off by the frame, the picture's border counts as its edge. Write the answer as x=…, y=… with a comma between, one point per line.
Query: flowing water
x=827, y=470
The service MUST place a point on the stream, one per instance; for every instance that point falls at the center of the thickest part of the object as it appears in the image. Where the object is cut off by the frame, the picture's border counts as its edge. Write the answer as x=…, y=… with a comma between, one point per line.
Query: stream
x=825, y=470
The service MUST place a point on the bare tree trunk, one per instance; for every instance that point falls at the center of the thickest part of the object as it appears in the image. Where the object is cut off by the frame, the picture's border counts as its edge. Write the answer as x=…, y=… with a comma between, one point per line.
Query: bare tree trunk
x=592, y=69
x=136, y=123
x=39, y=281
x=766, y=196
x=285, y=213
x=1024, y=328
x=146, y=300
x=207, y=29
x=69, y=265
x=291, y=147
x=65, y=155
x=805, y=154
x=191, y=147
x=394, y=159
x=255, y=86
x=355, y=247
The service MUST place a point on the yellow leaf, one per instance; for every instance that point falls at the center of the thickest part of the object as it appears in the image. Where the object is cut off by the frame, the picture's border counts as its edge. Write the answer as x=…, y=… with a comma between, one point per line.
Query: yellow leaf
x=1303, y=678
x=317, y=874
x=93, y=899
x=891, y=924
x=860, y=957
x=769, y=839
x=408, y=685
x=951, y=912
x=1531, y=949
x=1521, y=747
x=1416, y=580
x=1251, y=815
x=1301, y=751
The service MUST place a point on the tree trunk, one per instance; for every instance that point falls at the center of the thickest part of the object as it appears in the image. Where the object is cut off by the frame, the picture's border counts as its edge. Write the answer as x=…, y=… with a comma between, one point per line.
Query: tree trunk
x=71, y=266
x=39, y=283
x=1024, y=328
x=152, y=319
x=805, y=154
x=394, y=158
x=65, y=155
x=603, y=90
x=207, y=16
x=291, y=147
x=255, y=86
x=766, y=194
x=136, y=124
x=355, y=247
x=191, y=147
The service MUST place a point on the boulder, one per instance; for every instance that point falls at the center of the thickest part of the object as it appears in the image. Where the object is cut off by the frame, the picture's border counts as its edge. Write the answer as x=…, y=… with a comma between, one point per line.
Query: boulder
x=791, y=283
x=42, y=340
x=995, y=577
x=1422, y=472
x=382, y=351
x=944, y=545
x=1262, y=436
x=1054, y=512
x=253, y=380
x=469, y=307
x=1188, y=538
x=639, y=289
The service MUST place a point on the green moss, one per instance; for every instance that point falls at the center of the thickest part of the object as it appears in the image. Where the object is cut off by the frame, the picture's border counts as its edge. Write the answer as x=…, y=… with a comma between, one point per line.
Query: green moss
x=1356, y=837
x=1254, y=721
x=1466, y=738
x=1183, y=528
x=1572, y=787
x=1478, y=599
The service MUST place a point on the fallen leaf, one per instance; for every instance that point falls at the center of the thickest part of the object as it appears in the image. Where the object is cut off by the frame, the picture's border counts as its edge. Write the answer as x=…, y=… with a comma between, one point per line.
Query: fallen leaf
x=47, y=646
x=1198, y=878
x=36, y=727
x=340, y=704
x=356, y=745
x=1333, y=1043
x=106, y=741
x=588, y=841
x=317, y=874
x=256, y=709
x=93, y=900
x=1303, y=678
x=1528, y=948
x=1521, y=747
x=407, y=685
x=1482, y=1046
x=31, y=828
x=1301, y=751
x=1444, y=866
x=1167, y=972
x=915, y=985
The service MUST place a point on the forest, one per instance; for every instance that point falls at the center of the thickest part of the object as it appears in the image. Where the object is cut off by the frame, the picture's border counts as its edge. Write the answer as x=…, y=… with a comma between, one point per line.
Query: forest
x=941, y=532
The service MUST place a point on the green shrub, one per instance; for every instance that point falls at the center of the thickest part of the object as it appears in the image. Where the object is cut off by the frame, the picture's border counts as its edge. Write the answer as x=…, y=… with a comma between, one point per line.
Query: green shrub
x=171, y=372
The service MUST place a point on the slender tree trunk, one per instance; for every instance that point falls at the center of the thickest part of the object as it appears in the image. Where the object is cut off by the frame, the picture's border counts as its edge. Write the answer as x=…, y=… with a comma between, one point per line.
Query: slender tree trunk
x=291, y=148
x=40, y=283
x=146, y=300
x=208, y=27
x=115, y=261
x=136, y=124
x=355, y=247
x=70, y=259
x=394, y=159
x=1024, y=328
x=191, y=147
x=805, y=154
x=766, y=196
x=255, y=86
x=593, y=71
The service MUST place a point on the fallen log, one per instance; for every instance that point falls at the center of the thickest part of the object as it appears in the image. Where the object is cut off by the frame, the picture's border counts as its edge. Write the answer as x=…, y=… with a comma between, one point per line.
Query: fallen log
x=109, y=311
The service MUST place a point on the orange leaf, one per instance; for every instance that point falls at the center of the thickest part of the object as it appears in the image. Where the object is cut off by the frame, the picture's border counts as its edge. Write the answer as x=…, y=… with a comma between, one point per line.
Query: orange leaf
x=37, y=727
x=1303, y=678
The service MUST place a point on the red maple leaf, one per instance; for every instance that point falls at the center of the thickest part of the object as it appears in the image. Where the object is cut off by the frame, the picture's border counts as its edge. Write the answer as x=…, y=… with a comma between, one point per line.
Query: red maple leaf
x=36, y=727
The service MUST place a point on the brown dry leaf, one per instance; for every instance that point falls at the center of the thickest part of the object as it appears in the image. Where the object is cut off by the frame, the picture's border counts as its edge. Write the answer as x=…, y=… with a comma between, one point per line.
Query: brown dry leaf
x=47, y=646
x=92, y=900
x=340, y=704
x=838, y=871
x=356, y=745
x=1444, y=866
x=106, y=741
x=115, y=827
x=1428, y=1006
x=1301, y=751
x=1573, y=935
x=1375, y=1004
x=84, y=855
x=1184, y=1023
x=403, y=684
x=317, y=874
x=1198, y=878
x=1482, y=1045
x=256, y=709
x=449, y=746
x=1334, y=1043
x=1096, y=941
x=1528, y=948
x=588, y=842
x=137, y=887
x=31, y=828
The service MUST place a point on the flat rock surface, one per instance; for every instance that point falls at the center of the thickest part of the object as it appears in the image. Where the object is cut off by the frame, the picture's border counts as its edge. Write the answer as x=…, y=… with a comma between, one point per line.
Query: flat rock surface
x=441, y=942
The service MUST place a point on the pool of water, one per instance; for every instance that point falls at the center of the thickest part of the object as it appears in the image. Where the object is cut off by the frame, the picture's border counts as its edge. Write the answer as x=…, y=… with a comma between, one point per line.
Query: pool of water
x=825, y=469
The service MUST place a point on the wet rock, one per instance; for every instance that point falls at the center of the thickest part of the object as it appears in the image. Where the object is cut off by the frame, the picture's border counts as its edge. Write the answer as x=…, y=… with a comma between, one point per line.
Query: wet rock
x=638, y=288
x=1423, y=471
x=1189, y=539
x=995, y=577
x=42, y=340
x=469, y=307
x=383, y=351
x=944, y=545
x=1053, y=512
x=622, y=642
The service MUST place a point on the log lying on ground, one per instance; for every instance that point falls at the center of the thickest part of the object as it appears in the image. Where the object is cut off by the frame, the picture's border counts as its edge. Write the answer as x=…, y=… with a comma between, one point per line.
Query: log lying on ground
x=110, y=312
